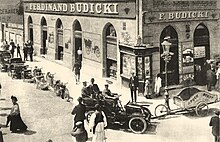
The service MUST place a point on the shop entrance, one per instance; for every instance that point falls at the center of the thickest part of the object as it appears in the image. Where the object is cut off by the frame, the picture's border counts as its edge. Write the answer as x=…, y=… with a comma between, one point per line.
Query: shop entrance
x=43, y=49
x=77, y=41
x=3, y=32
x=173, y=65
x=110, y=51
x=59, y=48
x=201, y=53
x=30, y=28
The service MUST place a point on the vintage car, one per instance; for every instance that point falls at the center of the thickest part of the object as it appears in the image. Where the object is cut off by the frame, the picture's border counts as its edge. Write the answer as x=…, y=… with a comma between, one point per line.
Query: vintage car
x=4, y=59
x=133, y=115
x=15, y=67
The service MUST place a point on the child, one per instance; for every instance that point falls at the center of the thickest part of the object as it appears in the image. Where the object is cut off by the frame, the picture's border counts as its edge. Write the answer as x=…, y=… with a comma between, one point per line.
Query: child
x=147, y=88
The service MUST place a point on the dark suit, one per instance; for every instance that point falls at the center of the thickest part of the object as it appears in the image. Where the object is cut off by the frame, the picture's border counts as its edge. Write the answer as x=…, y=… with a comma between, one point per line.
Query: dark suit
x=133, y=84
x=85, y=92
x=215, y=123
x=93, y=89
x=79, y=112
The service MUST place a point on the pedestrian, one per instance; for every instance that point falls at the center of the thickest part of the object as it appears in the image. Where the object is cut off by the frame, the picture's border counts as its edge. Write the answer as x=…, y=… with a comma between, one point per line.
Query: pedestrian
x=79, y=112
x=133, y=85
x=25, y=51
x=206, y=66
x=93, y=88
x=147, y=93
x=12, y=48
x=30, y=50
x=18, y=51
x=210, y=77
x=16, y=123
x=157, y=85
x=215, y=124
x=97, y=124
x=80, y=132
x=85, y=91
x=76, y=69
x=218, y=78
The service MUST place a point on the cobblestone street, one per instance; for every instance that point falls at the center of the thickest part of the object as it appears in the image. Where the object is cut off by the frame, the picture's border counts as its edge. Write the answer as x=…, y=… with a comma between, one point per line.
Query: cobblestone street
x=49, y=117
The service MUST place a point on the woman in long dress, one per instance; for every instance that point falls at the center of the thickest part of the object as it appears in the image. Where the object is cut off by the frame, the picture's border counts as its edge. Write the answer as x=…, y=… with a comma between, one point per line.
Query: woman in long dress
x=97, y=124
x=158, y=85
x=16, y=123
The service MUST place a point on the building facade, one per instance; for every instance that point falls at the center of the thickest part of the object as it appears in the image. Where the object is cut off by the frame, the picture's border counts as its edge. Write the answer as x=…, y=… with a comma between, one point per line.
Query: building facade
x=59, y=29
x=125, y=36
x=193, y=28
x=11, y=21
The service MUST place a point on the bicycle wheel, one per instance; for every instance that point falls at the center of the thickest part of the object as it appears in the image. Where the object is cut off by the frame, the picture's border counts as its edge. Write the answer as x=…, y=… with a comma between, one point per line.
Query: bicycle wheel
x=161, y=111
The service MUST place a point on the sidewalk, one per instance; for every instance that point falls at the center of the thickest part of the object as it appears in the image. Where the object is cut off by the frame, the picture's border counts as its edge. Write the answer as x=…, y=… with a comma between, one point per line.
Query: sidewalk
x=66, y=75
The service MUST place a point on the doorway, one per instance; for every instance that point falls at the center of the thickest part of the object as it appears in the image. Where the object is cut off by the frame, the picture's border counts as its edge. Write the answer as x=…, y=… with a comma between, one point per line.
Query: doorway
x=173, y=65
x=110, y=51
x=77, y=35
x=44, y=36
x=30, y=29
x=3, y=32
x=201, y=52
x=59, y=52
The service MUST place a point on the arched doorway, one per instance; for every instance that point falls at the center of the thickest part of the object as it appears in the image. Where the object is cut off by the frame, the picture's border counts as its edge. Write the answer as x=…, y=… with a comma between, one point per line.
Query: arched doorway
x=43, y=49
x=30, y=29
x=201, y=52
x=110, y=51
x=59, y=34
x=173, y=65
x=77, y=38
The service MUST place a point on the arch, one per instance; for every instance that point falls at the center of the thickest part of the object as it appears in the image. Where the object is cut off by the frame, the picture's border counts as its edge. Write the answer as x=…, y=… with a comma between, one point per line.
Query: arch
x=109, y=51
x=30, y=28
x=59, y=24
x=173, y=65
x=59, y=50
x=77, y=41
x=43, y=21
x=201, y=40
x=43, y=49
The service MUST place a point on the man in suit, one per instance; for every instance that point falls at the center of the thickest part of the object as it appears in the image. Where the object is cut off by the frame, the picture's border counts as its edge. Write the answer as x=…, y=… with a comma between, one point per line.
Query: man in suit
x=215, y=124
x=133, y=85
x=93, y=88
x=79, y=112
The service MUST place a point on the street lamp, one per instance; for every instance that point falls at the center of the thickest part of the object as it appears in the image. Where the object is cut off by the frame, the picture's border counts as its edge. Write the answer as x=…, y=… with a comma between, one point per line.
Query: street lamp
x=167, y=57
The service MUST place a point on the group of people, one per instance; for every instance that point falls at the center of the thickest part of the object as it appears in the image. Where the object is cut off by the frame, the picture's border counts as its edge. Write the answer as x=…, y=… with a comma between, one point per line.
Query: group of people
x=97, y=123
x=12, y=47
x=47, y=82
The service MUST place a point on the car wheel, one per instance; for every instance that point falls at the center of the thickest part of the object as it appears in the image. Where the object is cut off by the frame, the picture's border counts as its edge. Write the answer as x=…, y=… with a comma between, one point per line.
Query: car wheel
x=137, y=125
x=88, y=115
x=202, y=109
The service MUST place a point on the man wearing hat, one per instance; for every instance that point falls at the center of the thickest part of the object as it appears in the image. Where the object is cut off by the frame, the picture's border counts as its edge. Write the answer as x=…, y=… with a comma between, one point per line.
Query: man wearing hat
x=93, y=88
x=80, y=133
x=79, y=112
x=133, y=84
x=85, y=90
x=215, y=124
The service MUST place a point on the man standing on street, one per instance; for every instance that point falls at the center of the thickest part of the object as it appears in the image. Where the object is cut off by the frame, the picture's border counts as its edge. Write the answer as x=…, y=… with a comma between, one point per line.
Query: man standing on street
x=133, y=84
x=18, y=51
x=76, y=69
x=214, y=123
x=79, y=112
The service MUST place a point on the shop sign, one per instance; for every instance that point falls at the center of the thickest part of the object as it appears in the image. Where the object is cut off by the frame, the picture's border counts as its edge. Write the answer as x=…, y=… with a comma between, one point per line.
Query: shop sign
x=183, y=15
x=106, y=8
x=199, y=52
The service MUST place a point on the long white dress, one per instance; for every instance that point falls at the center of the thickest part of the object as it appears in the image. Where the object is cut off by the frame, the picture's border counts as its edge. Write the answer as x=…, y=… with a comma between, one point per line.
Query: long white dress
x=157, y=85
x=99, y=135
